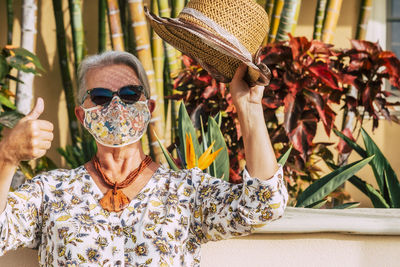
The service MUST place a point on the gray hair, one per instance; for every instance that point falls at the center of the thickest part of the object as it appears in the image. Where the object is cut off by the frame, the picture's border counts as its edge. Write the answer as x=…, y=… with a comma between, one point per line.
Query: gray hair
x=106, y=59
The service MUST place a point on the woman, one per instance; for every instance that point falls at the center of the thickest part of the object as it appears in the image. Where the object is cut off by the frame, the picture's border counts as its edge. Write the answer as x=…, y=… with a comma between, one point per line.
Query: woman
x=93, y=216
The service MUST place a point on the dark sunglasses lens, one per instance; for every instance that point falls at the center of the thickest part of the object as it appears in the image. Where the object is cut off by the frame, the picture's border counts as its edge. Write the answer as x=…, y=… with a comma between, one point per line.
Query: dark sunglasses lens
x=101, y=96
x=130, y=94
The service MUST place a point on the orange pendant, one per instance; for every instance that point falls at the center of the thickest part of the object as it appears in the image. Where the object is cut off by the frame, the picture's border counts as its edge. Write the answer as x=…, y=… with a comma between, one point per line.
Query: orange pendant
x=114, y=200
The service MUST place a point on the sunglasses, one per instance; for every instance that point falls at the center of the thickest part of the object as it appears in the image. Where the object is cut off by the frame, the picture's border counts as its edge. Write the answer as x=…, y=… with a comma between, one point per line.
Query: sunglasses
x=102, y=96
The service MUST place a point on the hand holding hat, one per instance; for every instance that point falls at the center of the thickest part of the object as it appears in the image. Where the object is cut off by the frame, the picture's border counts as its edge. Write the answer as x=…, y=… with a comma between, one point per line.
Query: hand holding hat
x=220, y=35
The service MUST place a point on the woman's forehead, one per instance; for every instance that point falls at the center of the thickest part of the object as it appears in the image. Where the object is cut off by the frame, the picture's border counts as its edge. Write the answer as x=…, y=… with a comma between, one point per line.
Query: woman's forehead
x=112, y=77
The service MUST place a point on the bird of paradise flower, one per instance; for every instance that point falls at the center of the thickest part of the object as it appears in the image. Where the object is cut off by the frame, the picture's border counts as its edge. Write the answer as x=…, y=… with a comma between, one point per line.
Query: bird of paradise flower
x=191, y=154
x=205, y=159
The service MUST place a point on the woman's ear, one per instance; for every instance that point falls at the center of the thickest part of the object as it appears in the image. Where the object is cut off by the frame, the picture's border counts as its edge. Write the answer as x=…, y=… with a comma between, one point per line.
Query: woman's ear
x=151, y=104
x=80, y=114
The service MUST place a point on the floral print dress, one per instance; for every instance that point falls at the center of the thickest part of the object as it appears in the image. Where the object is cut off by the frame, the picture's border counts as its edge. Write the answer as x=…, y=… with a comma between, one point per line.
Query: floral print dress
x=164, y=225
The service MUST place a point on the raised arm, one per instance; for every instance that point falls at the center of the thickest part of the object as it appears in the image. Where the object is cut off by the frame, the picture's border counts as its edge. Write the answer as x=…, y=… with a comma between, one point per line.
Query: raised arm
x=260, y=157
x=29, y=139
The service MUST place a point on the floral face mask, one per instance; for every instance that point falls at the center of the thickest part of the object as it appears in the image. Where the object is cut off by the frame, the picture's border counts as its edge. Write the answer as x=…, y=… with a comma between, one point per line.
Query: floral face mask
x=117, y=124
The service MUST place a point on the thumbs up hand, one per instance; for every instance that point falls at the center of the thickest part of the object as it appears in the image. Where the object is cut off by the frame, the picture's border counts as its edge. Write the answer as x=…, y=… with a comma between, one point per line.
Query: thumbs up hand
x=30, y=138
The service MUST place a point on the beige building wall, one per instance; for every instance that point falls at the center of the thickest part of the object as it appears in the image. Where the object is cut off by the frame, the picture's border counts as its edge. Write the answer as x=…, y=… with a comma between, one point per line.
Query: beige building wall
x=49, y=85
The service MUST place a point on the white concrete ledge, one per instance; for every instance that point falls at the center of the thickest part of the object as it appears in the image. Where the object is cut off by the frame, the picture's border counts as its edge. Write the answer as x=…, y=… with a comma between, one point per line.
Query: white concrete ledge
x=302, y=238
x=361, y=221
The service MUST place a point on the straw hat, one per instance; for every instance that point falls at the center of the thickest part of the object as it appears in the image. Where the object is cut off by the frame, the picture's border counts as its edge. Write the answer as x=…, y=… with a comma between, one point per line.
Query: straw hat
x=220, y=35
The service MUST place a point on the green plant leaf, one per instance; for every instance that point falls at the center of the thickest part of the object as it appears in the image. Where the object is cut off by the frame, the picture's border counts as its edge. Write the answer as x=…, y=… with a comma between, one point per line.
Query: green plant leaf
x=10, y=118
x=167, y=156
x=317, y=204
x=283, y=158
x=6, y=102
x=384, y=173
x=44, y=164
x=352, y=144
x=327, y=184
x=349, y=205
x=204, y=140
x=376, y=198
x=26, y=169
x=218, y=119
x=14, y=78
x=30, y=57
x=185, y=125
x=220, y=167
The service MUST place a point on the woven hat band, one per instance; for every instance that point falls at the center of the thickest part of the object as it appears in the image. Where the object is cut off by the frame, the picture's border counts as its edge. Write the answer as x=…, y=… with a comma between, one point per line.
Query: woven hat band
x=231, y=39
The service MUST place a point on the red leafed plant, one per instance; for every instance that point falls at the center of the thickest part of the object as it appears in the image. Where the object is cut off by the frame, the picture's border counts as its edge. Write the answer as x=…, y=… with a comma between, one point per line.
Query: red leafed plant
x=308, y=78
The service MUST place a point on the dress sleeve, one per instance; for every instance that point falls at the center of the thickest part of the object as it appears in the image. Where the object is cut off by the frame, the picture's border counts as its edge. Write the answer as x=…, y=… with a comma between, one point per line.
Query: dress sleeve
x=224, y=210
x=20, y=221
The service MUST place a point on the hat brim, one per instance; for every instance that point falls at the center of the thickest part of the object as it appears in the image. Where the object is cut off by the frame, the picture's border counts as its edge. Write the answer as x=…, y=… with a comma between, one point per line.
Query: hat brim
x=212, y=52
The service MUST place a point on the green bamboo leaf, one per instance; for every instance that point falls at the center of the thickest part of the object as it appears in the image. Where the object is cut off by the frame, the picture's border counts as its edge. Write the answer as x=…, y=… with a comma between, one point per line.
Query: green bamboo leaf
x=167, y=156
x=378, y=201
x=327, y=184
x=10, y=118
x=352, y=144
x=317, y=204
x=220, y=167
x=283, y=158
x=21, y=64
x=29, y=56
x=185, y=125
x=384, y=173
x=6, y=102
x=349, y=205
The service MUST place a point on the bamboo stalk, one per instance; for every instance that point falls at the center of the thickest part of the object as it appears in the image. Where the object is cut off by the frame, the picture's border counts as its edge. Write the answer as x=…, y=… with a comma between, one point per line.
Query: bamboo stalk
x=78, y=39
x=129, y=43
x=331, y=19
x=10, y=21
x=269, y=7
x=177, y=7
x=296, y=18
x=262, y=2
x=65, y=74
x=276, y=17
x=174, y=66
x=165, y=11
x=24, y=91
x=102, y=25
x=319, y=19
x=143, y=50
x=365, y=13
x=288, y=18
x=117, y=36
x=157, y=47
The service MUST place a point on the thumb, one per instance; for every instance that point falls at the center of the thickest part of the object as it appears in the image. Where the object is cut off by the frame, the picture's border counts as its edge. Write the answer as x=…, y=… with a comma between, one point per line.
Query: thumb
x=37, y=110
